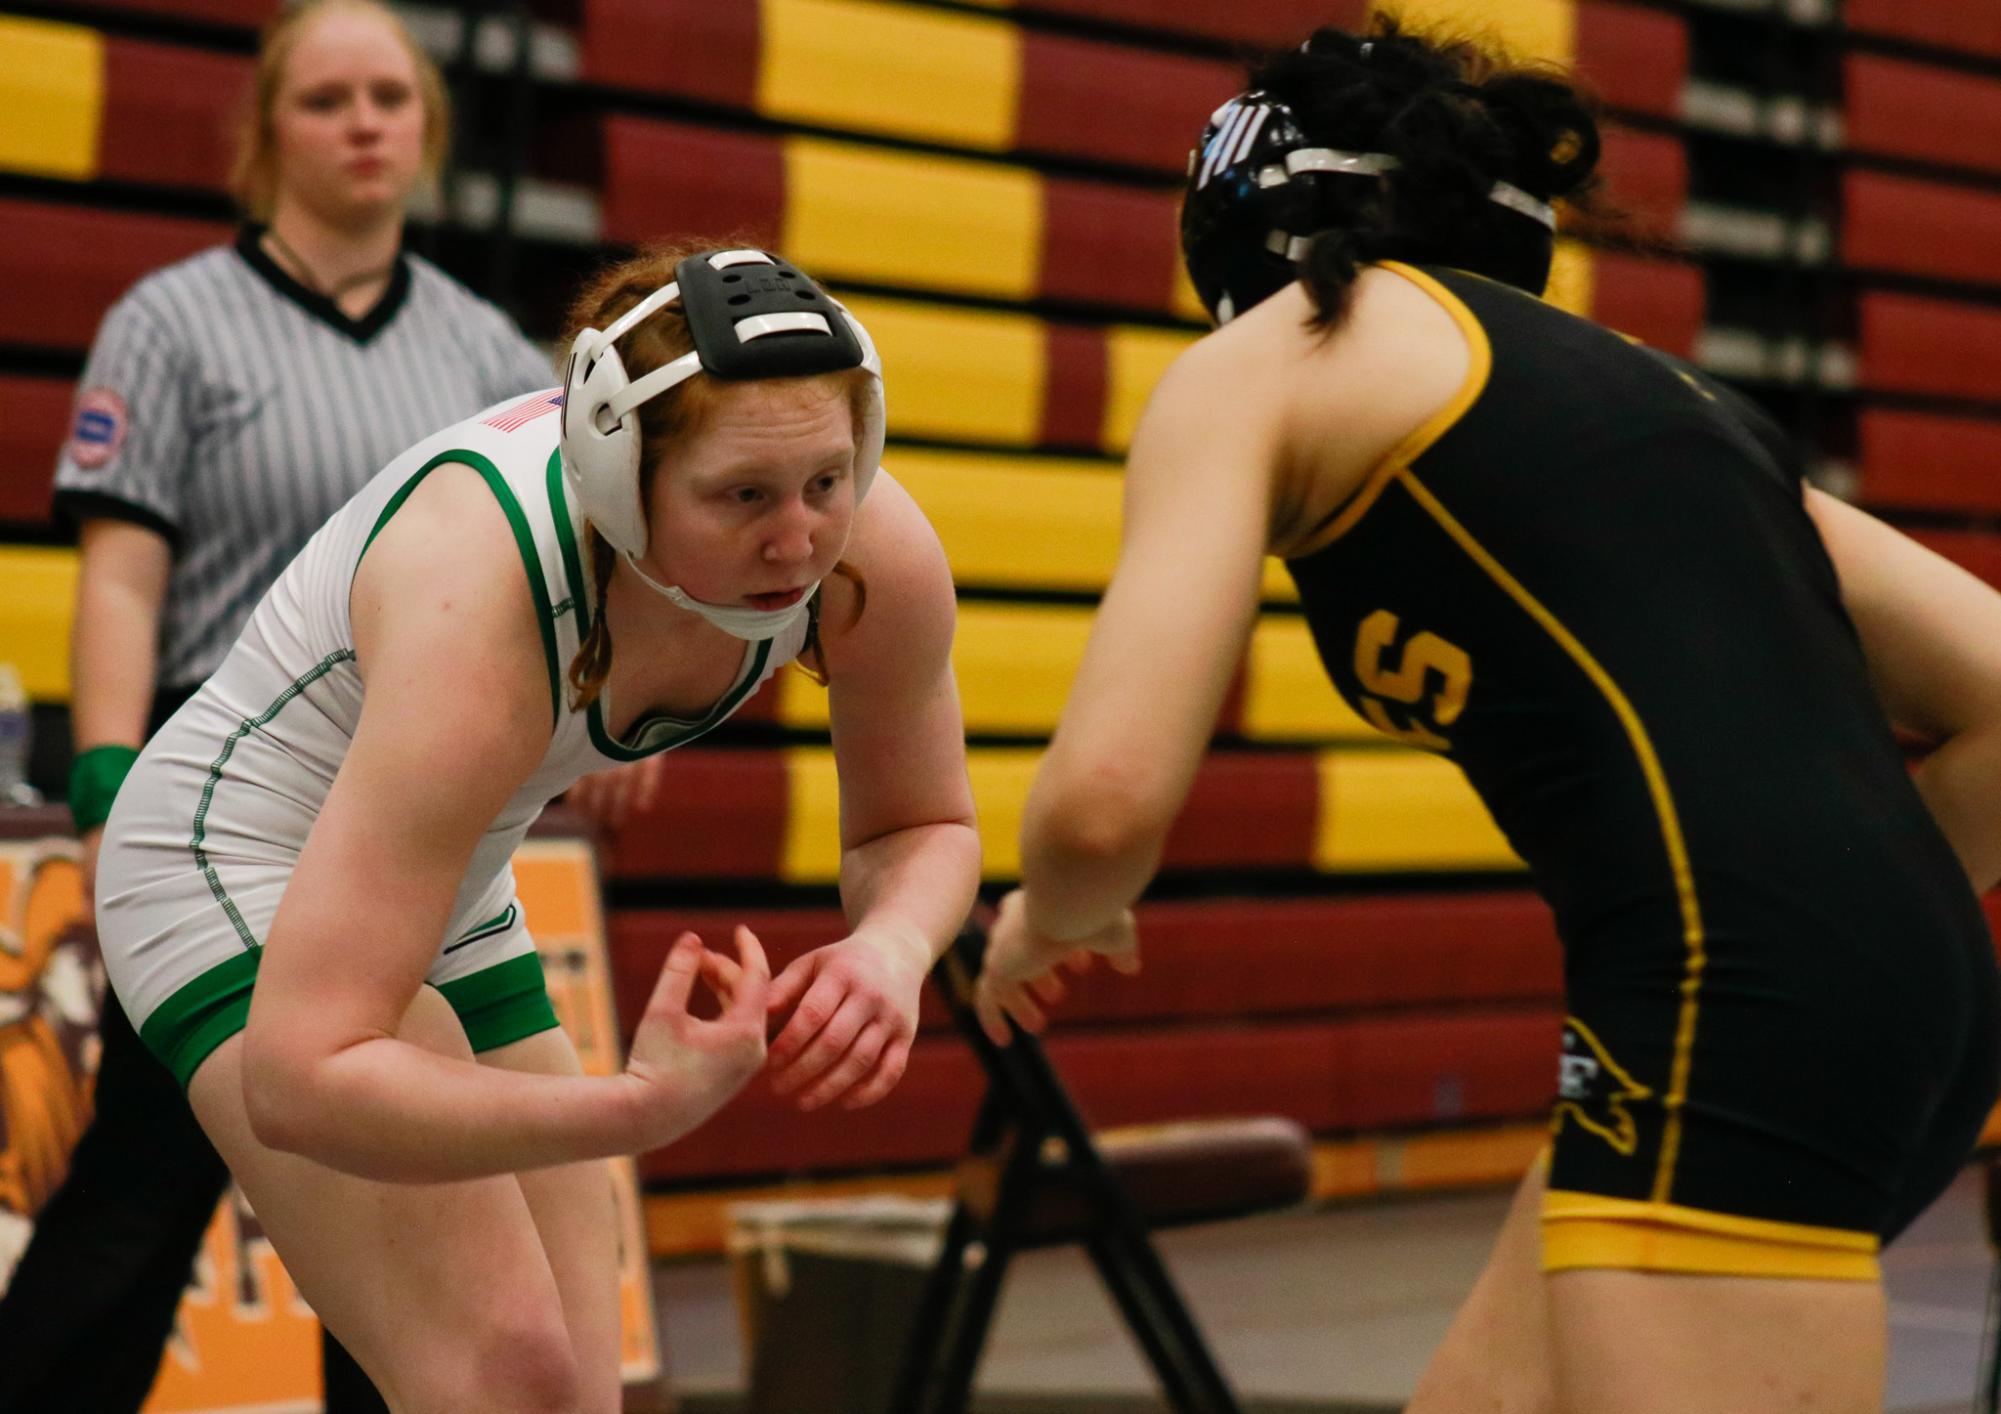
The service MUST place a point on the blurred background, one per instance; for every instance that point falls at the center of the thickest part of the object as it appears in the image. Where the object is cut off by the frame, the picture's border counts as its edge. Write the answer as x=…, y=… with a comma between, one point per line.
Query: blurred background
x=1811, y=198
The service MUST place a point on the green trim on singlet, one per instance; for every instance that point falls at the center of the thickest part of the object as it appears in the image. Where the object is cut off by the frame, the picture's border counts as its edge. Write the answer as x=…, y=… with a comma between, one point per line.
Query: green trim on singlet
x=524, y=540
x=750, y=671
x=496, y=1005
x=185, y=1029
x=249, y=725
x=502, y=1003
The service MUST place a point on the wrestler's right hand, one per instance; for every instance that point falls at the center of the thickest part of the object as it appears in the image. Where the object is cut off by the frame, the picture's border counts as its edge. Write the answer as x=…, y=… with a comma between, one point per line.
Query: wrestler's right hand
x=683, y=1068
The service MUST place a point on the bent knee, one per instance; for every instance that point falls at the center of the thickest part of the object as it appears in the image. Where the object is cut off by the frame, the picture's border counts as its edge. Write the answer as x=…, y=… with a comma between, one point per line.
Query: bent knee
x=522, y=1363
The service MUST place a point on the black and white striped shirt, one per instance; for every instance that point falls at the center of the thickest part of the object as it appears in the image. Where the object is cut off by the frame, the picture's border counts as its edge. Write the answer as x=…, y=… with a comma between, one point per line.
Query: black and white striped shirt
x=234, y=410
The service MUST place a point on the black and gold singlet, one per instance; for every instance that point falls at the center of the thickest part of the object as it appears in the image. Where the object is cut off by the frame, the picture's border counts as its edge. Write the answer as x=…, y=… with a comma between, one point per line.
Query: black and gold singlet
x=1592, y=583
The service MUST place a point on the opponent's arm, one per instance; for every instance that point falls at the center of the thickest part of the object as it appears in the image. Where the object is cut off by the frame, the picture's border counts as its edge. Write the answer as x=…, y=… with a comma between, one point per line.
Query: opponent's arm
x=1932, y=635
x=456, y=715
x=1163, y=648
x=1166, y=641
x=910, y=853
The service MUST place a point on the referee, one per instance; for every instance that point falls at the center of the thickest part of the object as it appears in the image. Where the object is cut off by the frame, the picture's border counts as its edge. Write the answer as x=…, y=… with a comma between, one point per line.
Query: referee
x=230, y=404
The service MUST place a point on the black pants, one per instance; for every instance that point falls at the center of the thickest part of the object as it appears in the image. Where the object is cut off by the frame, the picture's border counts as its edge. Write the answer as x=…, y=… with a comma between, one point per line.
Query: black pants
x=87, y=1315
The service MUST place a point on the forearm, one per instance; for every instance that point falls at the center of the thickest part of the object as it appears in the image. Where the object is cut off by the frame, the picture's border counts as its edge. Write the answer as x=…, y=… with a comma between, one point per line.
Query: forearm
x=1961, y=783
x=396, y=1112
x=915, y=883
x=1086, y=855
x=114, y=657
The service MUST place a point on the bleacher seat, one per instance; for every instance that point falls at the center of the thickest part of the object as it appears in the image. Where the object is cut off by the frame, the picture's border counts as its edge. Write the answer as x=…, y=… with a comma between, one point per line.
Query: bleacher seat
x=64, y=266
x=170, y=113
x=1931, y=347
x=1914, y=226
x=1923, y=461
x=1901, y=108
x=34, y=420
x=1949, y=25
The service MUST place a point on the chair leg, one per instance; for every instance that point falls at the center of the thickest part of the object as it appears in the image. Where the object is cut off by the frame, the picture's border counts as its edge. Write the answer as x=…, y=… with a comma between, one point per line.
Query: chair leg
x=941, y=1295
x=1159, y=1319
x=966, y=1336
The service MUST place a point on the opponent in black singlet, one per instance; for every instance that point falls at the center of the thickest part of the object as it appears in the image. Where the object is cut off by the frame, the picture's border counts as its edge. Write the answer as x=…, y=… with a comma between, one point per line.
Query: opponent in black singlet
x=1596, y=589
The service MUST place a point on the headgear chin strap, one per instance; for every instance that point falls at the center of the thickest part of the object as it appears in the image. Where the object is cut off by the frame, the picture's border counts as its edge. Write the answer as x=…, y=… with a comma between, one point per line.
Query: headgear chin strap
x=751, y=316
x=751, y=625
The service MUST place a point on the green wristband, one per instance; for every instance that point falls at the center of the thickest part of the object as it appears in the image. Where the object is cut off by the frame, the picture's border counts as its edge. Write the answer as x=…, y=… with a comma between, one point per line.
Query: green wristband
x=93, y=783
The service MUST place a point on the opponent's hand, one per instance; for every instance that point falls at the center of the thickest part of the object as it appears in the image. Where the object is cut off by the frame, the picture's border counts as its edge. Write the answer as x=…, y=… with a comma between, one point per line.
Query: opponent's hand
x=853, y=1008
x=607, y=797
x=1022, y=974
x=687, y=1068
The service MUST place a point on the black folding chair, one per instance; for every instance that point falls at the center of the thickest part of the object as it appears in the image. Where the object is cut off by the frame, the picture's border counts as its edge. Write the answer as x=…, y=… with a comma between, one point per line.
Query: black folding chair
x=1036, y=1177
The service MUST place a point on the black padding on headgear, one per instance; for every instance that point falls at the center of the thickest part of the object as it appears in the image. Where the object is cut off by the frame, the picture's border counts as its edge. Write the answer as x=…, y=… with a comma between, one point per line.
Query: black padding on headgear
x=1228, y=214
x=715, y=301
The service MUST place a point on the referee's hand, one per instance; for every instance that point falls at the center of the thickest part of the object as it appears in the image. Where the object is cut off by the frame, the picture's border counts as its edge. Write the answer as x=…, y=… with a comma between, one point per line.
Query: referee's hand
x=607, y=798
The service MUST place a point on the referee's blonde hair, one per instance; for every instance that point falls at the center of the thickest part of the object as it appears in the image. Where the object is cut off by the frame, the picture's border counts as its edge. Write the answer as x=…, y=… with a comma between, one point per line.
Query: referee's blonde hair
x=253, y=178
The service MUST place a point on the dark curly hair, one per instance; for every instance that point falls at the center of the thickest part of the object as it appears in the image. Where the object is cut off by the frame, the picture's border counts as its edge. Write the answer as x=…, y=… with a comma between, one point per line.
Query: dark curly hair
x=1458, y=116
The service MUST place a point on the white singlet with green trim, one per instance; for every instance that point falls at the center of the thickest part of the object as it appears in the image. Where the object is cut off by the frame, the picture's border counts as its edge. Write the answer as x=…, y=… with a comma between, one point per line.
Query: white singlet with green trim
x=203, y=836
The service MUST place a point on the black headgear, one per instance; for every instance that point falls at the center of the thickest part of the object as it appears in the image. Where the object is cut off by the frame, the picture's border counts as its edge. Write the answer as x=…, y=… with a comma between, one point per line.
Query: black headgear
x=1257, y=194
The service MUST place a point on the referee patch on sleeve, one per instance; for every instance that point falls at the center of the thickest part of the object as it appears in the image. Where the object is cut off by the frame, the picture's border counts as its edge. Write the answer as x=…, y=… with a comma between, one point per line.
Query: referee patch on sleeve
x=100, y=428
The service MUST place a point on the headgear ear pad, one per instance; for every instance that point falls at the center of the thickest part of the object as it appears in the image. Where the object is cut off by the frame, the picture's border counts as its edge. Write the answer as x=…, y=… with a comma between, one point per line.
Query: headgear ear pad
x=600, y=454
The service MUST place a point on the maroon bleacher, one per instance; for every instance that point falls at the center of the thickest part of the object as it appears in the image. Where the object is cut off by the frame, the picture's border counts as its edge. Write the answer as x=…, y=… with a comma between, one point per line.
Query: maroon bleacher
x=34, y=419
x=1915, y=226
x=1900, y=108
x=1950, y=25
x=64, y=266
x=1331, y=1076
x=1646, y=179
x=169, y=113
x=1923, y=461
x=1933, y=347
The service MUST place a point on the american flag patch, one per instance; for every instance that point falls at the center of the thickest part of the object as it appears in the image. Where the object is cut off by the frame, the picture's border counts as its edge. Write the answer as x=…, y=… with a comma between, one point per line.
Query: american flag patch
x=518, y=416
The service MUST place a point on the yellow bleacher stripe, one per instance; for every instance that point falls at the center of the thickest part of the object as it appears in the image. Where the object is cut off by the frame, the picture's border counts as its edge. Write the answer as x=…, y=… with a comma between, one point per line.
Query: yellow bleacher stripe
x=965, y=375
x=1017, y=522
x=1393, y=810
x=1134, y=360
x=1407, y=811
x=1286, y=693
x=1028, y=523
x=51, y=98
x=1529, y=29
x=35, y=617
x=1014, y=663
x=1000, y=778
x=1570, y=278
x=870, y=67
x=863, y=213
x=812, y=850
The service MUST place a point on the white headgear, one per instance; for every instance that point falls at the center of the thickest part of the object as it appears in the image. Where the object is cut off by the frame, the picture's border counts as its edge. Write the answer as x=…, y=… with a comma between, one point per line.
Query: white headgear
x=735, y=302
